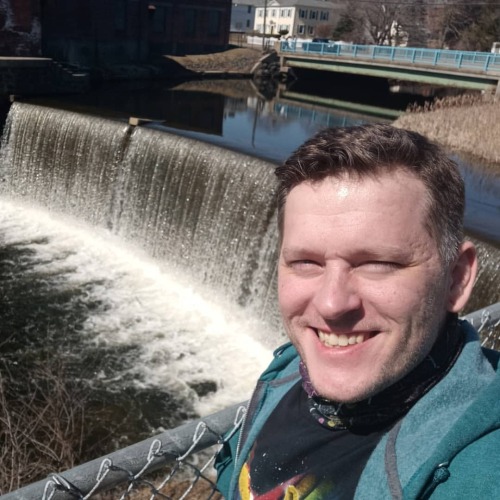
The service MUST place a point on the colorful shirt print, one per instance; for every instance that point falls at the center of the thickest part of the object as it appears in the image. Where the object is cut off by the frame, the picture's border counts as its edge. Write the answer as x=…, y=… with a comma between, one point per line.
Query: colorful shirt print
x=294, y=457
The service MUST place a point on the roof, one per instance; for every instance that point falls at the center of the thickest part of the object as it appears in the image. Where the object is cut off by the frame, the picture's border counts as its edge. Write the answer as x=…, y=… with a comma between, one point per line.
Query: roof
x=254, y=3
x=325, y=4
x=292, y=3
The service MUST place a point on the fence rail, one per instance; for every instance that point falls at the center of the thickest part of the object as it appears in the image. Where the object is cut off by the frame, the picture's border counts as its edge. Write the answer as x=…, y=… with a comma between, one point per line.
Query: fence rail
x=171, y=454
x=446, y=59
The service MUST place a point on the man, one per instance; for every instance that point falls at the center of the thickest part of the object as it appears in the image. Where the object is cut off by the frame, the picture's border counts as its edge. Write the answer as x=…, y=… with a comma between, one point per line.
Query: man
x=383, y=392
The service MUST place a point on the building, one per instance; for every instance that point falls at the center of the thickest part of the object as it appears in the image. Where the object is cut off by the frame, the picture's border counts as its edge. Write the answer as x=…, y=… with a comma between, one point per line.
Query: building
x=243, y=15
x=95, y=32
x=102, y=32
x=299, y=18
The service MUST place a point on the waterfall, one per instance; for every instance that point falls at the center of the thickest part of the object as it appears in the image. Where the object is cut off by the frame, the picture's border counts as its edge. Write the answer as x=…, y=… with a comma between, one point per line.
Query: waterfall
x=206, y=210
x=154, y=256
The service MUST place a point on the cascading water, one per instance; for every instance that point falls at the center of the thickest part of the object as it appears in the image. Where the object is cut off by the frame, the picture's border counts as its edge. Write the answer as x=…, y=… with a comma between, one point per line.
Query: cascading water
x=205, y=210
x=146, y=259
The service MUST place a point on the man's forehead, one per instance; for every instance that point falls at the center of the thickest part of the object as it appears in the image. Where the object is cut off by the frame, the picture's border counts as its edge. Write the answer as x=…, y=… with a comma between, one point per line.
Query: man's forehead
x=348, y=185
x=395, y=196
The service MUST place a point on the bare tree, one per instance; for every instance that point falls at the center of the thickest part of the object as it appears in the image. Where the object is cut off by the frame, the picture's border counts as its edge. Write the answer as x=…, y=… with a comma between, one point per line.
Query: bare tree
x=324, y=30
x=449, y=22
x=484, y=28
x=472, y=26
x=383, y=23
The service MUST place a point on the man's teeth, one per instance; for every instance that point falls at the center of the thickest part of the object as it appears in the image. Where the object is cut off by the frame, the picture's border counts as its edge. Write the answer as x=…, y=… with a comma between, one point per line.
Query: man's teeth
x=334, y=340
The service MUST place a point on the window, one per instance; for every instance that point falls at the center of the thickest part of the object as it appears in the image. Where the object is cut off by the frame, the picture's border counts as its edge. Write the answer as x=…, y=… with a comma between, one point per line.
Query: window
x=248, y=23
x=159, y=19
x=260, y=12
x=313, y=14
x=302, y=13
x=214, y=23
x=249, y=10
x=190, y=17
x=273, y=13
x=324, y=16
x=310, y=30
x=300, y=29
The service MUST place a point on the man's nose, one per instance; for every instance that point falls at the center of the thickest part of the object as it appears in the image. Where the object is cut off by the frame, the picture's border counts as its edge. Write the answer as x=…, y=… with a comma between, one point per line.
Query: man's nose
x=337, y=294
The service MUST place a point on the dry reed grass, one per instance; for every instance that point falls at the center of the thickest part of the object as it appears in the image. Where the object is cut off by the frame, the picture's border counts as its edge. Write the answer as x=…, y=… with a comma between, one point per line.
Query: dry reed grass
x=41, y=428
x=466, y=124
x=201, y=491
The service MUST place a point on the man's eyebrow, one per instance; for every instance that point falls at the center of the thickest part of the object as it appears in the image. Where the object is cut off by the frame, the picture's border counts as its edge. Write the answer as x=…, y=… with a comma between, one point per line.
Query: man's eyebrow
x=288, y=252
x=380, y=252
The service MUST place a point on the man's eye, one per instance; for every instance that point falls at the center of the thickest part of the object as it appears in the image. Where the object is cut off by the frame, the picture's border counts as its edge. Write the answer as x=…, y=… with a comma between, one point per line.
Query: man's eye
x=379, y=266
x=303, y=264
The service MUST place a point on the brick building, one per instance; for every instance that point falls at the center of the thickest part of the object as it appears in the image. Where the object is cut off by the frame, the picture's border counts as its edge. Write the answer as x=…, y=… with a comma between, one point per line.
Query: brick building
x=100, y=32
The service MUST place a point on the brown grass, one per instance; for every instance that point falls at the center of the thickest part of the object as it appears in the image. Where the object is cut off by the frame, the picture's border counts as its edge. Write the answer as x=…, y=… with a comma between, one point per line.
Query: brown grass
x=202, y=490
x=469, y=125
x=41, y=429
x=44, y=429
x=239, y=60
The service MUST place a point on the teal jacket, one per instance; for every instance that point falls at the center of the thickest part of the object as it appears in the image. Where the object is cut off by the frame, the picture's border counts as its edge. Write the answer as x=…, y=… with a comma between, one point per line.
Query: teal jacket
x=446, y=447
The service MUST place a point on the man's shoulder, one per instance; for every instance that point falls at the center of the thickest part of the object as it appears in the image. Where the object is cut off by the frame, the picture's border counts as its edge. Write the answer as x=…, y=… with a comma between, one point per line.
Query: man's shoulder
x=285, y=362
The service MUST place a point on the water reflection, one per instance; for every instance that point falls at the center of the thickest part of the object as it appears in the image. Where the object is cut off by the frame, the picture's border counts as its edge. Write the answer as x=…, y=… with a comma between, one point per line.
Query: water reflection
x=230, y=113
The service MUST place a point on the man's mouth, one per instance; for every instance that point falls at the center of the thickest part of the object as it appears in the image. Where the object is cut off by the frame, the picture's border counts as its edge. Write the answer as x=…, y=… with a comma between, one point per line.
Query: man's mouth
x=342, y=340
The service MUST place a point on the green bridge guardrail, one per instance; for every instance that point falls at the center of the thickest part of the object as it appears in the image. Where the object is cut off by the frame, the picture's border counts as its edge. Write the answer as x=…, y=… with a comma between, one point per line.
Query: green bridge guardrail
x=444, y=59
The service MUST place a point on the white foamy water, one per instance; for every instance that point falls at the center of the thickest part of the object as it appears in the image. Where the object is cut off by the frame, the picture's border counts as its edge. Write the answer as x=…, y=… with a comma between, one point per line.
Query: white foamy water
x=185, y=334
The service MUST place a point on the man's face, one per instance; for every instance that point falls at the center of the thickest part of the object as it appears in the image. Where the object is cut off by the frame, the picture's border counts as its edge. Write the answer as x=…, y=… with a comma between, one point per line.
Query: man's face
x=362, y=289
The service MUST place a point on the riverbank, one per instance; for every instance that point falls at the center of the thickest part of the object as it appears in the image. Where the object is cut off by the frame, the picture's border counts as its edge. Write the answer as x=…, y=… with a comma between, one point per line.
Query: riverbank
x=470, y=127
x=238, y=60
x=234, y=62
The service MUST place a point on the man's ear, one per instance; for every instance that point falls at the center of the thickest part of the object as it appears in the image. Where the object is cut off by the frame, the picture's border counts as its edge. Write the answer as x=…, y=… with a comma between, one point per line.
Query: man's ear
x=463, y=277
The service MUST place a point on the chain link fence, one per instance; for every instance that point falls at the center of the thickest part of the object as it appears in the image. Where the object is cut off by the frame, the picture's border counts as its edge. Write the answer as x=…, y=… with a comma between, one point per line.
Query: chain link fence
x=177, y=463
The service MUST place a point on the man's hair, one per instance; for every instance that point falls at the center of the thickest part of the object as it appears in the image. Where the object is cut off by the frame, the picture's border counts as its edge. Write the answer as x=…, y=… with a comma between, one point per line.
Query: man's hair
x=371, y=150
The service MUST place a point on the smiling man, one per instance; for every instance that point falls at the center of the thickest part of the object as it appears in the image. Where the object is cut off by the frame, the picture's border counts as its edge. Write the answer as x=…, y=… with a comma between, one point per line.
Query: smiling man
x=383, y=392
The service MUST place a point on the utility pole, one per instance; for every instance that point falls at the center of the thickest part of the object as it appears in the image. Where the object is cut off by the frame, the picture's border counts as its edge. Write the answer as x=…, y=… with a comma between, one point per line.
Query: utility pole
x=264, y=29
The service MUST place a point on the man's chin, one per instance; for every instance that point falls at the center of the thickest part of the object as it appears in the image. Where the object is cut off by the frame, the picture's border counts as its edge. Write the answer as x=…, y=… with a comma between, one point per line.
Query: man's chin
x=347, y=392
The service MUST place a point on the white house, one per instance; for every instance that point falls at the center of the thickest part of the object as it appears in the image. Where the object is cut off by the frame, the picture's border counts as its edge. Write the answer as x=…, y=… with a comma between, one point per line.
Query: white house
x=300, y=18
x=243, y=15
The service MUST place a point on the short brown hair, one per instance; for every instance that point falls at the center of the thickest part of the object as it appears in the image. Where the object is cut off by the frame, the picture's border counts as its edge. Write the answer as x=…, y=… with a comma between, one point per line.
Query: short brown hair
x=368, y=150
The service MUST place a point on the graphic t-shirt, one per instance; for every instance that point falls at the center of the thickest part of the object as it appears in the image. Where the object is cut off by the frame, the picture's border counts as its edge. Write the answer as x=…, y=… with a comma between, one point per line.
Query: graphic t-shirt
x=294, y=457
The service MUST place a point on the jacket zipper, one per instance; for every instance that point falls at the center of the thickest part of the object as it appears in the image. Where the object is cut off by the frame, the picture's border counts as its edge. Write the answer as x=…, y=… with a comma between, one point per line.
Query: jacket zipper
x=441, y=474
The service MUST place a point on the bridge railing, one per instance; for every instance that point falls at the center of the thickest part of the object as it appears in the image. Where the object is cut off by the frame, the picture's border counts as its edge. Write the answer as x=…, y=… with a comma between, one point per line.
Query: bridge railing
x=453, y=59
x=177, y=463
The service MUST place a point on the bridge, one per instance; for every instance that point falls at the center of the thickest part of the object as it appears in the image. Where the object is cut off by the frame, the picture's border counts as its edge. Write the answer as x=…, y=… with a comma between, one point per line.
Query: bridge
x=450, y=68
